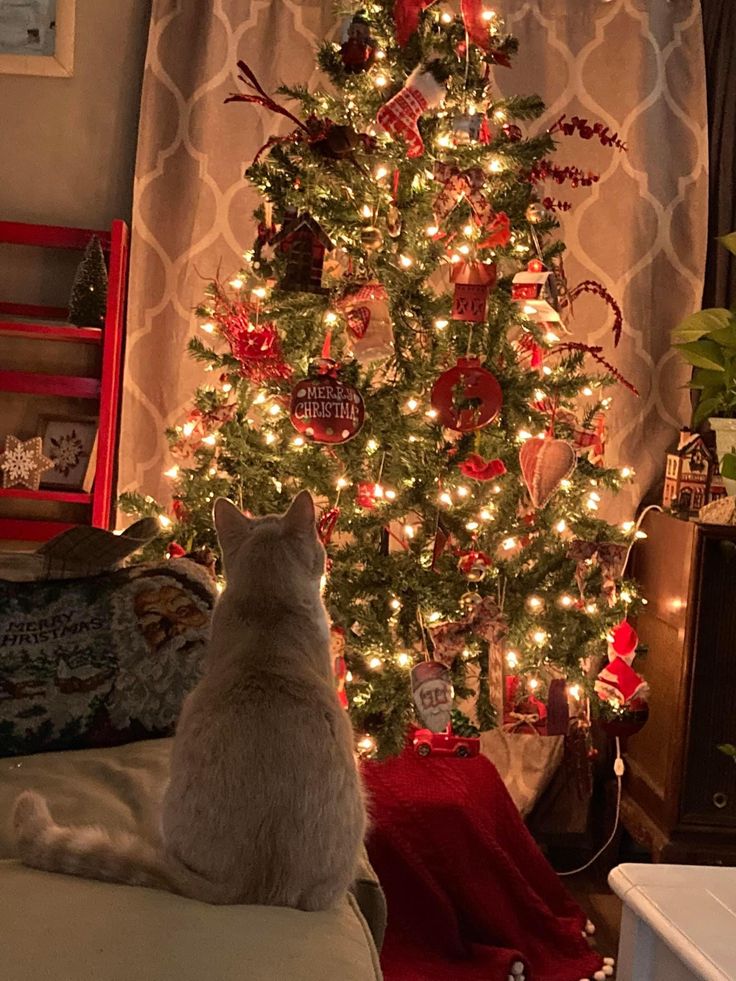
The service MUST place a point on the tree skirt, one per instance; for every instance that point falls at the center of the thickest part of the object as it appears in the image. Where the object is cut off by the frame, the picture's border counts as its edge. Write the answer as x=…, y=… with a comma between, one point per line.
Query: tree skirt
x=470, y=896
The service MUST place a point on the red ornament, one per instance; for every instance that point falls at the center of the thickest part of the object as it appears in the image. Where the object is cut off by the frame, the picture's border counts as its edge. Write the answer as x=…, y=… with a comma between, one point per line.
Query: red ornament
x=175, y=551
x=512, y=132
x=474, y=565
x=472, y=282
x=625, y=641
x=256, y=346
x=475, y=467
x=545, y=463
x=326, y=525
x=365, y=495
x=326, y=410
x=358, y=52
x=466, y=396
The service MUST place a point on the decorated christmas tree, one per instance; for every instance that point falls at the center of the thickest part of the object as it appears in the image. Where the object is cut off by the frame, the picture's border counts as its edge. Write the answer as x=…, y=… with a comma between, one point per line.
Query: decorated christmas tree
x=396, y=342
x=88, y=300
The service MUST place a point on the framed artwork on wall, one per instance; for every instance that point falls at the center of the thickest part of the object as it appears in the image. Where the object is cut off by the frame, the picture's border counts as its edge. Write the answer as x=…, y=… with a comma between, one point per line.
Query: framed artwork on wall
x=72, y=445
x=37, y=37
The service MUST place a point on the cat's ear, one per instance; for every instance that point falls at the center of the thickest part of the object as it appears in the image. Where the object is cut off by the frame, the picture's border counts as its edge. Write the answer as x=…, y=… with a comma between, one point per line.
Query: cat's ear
x=231, y=524
x=301, y=516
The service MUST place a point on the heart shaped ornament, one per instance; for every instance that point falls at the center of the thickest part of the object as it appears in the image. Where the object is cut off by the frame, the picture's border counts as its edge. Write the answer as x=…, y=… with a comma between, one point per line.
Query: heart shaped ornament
x=545, y=463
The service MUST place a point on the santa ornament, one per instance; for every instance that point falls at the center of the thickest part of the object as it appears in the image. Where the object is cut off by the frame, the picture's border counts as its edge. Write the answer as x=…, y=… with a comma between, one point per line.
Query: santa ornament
x=399, y=116
x=358, y=51
x=432, y=692
x=466, y=396
x=325, y=409
x=370, y=330
x=545, y=463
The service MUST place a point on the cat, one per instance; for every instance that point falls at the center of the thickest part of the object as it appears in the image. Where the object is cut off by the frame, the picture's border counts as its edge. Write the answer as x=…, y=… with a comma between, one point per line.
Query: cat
x=264, y=802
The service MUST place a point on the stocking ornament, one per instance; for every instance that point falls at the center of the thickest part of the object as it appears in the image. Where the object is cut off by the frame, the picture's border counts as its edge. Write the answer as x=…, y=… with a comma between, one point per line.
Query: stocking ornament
x=399, y=116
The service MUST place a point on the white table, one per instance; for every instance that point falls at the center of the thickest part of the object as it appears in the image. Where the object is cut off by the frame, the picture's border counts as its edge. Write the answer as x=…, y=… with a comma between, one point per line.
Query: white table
x=678, y=922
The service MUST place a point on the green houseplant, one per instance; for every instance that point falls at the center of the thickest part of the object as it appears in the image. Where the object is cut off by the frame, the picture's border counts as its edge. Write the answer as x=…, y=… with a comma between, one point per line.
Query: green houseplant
x=707, y=340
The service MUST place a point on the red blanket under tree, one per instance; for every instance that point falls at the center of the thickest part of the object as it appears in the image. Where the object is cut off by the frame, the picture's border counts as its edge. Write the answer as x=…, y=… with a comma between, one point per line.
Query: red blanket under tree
x=469, y=893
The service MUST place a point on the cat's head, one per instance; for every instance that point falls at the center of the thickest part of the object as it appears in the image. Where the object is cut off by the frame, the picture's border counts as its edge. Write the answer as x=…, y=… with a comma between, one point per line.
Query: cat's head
x=278, y=554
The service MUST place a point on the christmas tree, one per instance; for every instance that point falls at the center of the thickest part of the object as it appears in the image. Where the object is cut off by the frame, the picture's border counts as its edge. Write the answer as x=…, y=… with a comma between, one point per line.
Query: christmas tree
x=395, y=343
x=88, y=300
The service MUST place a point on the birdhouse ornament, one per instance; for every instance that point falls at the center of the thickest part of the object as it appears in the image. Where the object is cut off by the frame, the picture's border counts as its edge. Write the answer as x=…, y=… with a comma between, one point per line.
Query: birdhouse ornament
x=303, y=243
x=369, y=327
x=532, y=290
x=472, y=282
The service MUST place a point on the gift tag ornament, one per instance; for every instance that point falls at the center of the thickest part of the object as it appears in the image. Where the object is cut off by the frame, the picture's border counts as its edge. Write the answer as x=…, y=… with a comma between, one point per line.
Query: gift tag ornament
x=466, y=396
x=325, y=409
x=432, y=692
x=545, y=463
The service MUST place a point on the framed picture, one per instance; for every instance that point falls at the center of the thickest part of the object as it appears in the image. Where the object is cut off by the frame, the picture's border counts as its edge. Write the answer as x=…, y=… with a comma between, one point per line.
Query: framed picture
x=72, y=445
x=37, y=37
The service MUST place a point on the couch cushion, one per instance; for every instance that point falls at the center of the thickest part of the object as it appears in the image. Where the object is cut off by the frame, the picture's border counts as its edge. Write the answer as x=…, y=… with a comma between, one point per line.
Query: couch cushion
x=57, y=926
x=101, y=660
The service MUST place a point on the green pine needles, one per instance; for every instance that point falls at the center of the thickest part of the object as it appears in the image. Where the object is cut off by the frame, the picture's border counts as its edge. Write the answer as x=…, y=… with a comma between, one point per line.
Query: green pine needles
x=398, y=485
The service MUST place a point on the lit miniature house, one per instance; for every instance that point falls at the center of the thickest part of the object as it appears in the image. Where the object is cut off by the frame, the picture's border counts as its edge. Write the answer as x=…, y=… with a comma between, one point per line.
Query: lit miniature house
x=532, y=290
x=472, y=282
x=692, y=478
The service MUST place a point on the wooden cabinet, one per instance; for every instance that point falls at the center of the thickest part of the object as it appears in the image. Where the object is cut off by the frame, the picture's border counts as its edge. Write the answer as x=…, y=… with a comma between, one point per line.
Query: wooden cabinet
x=680, y=790
x=95, y=383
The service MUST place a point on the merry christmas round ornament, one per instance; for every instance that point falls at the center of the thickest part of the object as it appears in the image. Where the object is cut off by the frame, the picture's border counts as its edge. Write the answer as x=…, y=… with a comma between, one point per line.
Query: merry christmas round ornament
x=325, y=409
x=545, y=463
x=466, y=396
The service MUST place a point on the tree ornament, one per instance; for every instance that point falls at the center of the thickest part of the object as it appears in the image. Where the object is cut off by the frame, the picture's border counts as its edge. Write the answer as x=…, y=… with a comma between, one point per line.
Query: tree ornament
x=545, y=463
x=406, y=16
x=459, y=185
x=512, y=132
x=358, y=51
x=610, y=557
x=256, y=345
x=466, y=396
x=472, y=280
x=617, y=682
x=365, y=495
x=339, y=664
x=432, y=692
x=536, y=213
x=325, y=409
x=88, y=300
x=469, y=602
x=475, y=467
x=474, y=565
x=371, y=238
x=532, y=290
x=370, y=330
x=466, y=128
x=393, y=221
x=399, y=116
x=303, y=242
x=23, y=462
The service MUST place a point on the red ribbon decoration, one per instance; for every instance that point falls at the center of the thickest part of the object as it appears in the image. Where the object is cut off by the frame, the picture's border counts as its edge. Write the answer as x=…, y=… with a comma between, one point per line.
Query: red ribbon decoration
x=326, y=525
x=406, y=17
x=475, y=467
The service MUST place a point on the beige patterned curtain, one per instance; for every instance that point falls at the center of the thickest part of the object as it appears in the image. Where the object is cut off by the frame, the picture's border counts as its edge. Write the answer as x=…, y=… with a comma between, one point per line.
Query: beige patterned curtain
x=636, y=65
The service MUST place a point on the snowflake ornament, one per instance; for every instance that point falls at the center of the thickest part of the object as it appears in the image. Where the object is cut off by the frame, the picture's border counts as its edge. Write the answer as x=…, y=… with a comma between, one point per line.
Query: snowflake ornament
x=23, y=462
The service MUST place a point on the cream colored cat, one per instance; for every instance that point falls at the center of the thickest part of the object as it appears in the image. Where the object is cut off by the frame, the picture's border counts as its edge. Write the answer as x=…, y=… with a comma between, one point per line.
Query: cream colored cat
x=264, y=803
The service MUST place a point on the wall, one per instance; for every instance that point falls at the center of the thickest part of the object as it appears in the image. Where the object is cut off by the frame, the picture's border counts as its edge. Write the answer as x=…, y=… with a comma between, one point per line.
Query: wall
x=68, y=144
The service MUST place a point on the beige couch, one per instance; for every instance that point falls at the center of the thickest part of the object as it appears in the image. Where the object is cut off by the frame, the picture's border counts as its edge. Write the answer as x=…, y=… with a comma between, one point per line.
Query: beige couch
x=62, y=928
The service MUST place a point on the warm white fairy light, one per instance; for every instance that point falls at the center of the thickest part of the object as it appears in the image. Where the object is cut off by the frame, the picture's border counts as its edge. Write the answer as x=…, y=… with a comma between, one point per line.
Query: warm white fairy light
x=560, y=526
x=446, y=17
x=431, y=230
x=395, y=604
x=164, y=520
x=260, y=398
x=378, y=491
x=528, y=309
x=574, y=691
x=260, y=292
x=341, y=483
x=565, y=484
x=444, y=141
x=187, y=429
x=172, y=472
x=298, y=441
x=641, y=535
x=455, y=258
x=591, y=504
x=472, y=525
x=366, y=744
x=627, y=526
x=591, y=608
x=366, y=211
x=390, y=495
x=546, y=370
x=445, y=498
x=212, y=471
x=464, y=249
x=380, y=80
x=587, y=391
x=535, y=603
x=330, y=317
x=540, y=637
x=371, y=445
x=512, y=659
x=496, y=165
x=533, y=684
x=431, y=413
x=406, y=261
x=380, y=55
x=208, y=328
x=412, y=405
x=523, y=435
x=403, y=659
x=508, y=543
x=566, y=601
x=236, y=283
x=499, y=115
x=462, y=491
x=380, y=171
x=539, y=395
x=626, y=472
x=375, y=662
x=274, y=409
x=488, y=15
x=625, y=596
x=226, y=387
x=550, y=337
x=410, y=531
x=440, y=323
x=485, y=515
x=434, y=616
x=468, y=230
x=270, y=438
x=210, y=440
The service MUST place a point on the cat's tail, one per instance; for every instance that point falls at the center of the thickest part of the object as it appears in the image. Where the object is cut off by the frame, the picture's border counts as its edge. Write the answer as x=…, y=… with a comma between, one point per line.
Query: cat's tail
x=95, y=853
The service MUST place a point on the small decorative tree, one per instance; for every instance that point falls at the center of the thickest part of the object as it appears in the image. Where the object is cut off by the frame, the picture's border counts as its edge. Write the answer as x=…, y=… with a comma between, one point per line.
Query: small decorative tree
x=88, y=299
